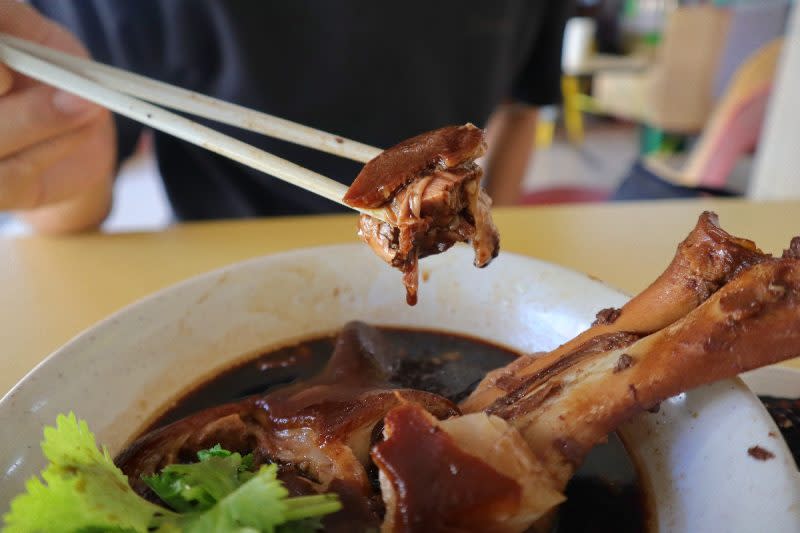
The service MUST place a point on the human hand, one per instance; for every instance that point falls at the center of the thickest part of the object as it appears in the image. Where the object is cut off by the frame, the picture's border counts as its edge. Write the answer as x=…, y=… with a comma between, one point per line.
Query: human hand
x=57, y=151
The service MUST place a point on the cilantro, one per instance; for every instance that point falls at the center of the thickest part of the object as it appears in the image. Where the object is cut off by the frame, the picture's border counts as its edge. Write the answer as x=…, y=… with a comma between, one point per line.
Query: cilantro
x=82, y=490
x=198, y=486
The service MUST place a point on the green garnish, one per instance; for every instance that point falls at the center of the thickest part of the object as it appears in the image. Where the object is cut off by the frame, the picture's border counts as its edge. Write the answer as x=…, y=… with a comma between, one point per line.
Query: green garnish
x=198, y=486
x=81, y=490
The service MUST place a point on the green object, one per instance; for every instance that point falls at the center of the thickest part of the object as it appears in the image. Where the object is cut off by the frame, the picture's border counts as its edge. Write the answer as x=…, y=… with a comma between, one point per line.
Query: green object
x=198, y=486
x=649, y=139
x=81, y=490
x=261, y=504
x=654, y=140
x=652, y=39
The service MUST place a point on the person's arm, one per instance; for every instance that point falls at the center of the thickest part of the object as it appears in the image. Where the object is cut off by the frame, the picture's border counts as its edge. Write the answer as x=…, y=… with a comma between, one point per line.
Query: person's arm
x=512, y=133
x=57, y=151
x=512, y=129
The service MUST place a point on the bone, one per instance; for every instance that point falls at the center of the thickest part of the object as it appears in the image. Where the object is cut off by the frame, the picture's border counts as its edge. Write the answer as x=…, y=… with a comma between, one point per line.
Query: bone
x=753, y=321
x=707, y=259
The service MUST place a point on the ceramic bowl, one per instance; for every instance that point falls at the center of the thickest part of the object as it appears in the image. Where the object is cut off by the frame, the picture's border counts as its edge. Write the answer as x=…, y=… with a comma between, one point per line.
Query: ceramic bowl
x=118, y=375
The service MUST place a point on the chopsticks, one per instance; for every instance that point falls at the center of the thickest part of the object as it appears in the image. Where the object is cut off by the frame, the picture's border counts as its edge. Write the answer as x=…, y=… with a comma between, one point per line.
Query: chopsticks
x=130, y=95
x=197, y=104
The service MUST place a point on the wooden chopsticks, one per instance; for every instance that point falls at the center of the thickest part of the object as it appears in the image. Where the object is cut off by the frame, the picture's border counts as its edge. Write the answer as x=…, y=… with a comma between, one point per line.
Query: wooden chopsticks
x=135, y=96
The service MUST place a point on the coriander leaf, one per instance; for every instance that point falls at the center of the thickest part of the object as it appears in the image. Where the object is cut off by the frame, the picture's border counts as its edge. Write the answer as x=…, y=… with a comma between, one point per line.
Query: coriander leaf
x=198, y=486
x=247, y=463
x=215, y=451
x=262, y=505
x=80, y=490
x=218, y=451
x=307, y=507
x=257, y=505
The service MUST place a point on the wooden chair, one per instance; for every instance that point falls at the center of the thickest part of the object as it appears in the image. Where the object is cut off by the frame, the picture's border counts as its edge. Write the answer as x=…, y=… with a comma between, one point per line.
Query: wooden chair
x=675, y=93
x=733, y=128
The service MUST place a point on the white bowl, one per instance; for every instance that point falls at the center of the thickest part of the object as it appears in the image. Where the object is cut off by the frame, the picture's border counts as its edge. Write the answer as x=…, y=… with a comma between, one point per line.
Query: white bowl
x=119, y=374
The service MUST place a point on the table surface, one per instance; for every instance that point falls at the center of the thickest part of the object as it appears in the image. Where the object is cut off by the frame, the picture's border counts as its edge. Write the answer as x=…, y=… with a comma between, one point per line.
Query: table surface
x=53, y=288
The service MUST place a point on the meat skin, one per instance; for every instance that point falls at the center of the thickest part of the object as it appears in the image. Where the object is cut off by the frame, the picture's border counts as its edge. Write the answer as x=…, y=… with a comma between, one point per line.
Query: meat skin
x=430, y=188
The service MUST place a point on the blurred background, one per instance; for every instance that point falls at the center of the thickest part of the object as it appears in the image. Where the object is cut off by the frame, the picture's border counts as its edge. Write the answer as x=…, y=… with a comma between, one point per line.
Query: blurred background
x=661, y=99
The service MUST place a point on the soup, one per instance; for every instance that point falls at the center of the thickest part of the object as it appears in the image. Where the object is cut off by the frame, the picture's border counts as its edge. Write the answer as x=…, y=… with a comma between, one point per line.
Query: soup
x=604, y=495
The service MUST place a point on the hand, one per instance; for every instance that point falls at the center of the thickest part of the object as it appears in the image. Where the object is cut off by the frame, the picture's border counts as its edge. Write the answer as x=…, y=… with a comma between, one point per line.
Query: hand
x=57, y=151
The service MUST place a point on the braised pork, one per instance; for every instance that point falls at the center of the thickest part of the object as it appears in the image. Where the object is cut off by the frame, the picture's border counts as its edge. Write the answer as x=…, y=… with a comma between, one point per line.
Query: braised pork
x=722, y=307
x=556, y=416
x=319, y=430
x=430, y=185
x=472, y=473
x=708, y=258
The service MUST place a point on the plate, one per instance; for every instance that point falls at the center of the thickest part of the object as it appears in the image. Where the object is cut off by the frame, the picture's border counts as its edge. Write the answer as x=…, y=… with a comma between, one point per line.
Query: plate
x=119, y=374
x=776, y=381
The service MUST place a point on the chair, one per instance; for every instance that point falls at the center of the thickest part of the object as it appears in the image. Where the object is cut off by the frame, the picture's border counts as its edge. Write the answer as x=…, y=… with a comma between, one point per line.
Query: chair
x=675, y=93
x=701, y=48
x=733, y=128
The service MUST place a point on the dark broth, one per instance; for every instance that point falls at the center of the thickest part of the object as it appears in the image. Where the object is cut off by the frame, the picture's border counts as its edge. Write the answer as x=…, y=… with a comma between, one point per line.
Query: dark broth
x=603, y=496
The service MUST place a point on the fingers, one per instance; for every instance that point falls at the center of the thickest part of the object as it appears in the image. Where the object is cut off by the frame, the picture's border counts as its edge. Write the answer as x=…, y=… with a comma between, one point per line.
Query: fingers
x=24, y=180
x=74, y=197
x=31, y=112
x=23, y=21
x=56, y=150
x=70, y=177
x=39, y=113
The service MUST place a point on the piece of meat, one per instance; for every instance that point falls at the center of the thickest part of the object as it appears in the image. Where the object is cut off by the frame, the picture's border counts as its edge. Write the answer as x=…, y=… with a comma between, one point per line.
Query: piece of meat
x=565, y=410
x=707, y=259
x=383, y=176
x=752, y=321
x=504, y=468
x=319, y=430
x=794, y=249
x=430, y=187
x=472, y=473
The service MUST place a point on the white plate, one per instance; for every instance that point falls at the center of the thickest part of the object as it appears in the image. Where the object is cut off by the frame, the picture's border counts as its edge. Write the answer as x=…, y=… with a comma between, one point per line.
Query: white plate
x=775, y=381
x=119, y=374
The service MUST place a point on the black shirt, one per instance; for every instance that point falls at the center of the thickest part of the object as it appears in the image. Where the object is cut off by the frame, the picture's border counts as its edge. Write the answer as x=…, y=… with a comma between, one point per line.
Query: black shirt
x=377, y=72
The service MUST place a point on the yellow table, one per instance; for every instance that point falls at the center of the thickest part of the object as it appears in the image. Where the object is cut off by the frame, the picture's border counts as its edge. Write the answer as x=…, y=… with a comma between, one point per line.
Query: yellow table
x=52, y=288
